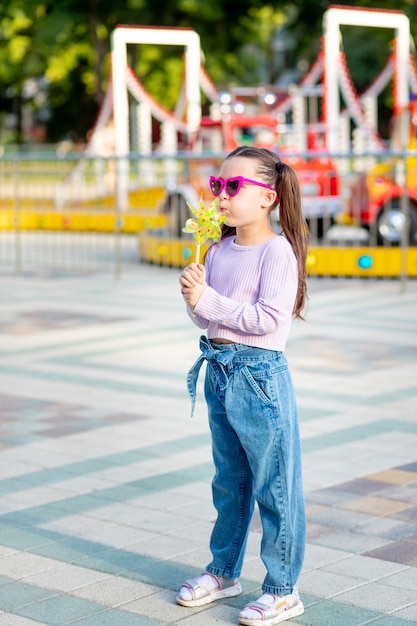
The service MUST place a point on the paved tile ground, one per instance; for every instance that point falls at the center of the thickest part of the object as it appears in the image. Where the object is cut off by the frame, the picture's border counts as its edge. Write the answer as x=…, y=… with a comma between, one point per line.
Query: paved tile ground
x=105, y=479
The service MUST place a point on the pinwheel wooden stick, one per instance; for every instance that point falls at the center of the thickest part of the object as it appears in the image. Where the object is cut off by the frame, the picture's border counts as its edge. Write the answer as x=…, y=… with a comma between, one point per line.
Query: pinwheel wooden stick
x=206, y=224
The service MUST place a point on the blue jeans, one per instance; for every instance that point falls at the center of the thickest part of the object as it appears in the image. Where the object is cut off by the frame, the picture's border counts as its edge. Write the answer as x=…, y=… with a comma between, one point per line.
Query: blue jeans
x=256, y=451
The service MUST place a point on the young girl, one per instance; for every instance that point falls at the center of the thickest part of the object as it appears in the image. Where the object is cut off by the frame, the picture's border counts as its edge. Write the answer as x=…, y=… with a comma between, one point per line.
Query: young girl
x=252, y=284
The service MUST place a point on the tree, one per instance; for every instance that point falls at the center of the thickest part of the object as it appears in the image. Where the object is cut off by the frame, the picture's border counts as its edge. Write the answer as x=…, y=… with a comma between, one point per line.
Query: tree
x=54, y=56
x=64, y=53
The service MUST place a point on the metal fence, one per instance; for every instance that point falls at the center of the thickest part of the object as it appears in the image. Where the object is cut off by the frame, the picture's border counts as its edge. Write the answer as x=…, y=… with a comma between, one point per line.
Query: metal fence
x=67, y=212
x=59, y=212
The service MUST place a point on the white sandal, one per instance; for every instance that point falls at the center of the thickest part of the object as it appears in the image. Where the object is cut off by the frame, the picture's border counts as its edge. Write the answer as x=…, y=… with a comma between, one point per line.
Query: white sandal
x=284, y=607
x=226, y=588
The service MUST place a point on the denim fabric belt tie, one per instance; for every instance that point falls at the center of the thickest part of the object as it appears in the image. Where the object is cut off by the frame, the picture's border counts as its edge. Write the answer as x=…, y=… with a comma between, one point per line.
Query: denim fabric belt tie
x=219, y=361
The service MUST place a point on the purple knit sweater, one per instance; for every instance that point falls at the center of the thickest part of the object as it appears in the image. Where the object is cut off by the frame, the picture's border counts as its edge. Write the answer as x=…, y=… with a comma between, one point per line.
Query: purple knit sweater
x=251, y=293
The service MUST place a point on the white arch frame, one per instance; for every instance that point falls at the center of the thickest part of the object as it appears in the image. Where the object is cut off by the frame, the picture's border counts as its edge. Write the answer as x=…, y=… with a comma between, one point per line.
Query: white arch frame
x=333, y=19
x=124, y=35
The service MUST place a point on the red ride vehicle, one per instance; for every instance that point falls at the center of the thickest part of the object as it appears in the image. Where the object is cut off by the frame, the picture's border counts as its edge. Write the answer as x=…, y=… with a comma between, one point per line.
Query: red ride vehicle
x=377, y=200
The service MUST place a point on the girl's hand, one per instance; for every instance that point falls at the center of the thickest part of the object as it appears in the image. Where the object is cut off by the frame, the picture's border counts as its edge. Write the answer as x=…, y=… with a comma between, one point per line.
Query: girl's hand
x=193, y=283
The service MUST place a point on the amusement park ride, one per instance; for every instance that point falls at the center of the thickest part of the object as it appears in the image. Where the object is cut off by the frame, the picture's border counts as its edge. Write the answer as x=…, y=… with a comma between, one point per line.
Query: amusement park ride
x=321, y=126
x=317, y=145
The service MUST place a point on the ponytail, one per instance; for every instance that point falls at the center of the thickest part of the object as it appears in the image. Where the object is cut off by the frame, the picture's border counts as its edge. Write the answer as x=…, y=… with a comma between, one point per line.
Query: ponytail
x=293, y=226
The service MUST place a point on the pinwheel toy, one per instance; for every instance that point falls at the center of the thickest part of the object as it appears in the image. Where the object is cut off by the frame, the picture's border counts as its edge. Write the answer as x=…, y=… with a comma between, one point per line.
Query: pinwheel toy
x=206, y=224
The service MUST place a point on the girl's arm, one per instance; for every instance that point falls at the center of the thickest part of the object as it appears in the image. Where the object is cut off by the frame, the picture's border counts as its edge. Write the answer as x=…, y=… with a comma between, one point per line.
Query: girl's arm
x=193, y=283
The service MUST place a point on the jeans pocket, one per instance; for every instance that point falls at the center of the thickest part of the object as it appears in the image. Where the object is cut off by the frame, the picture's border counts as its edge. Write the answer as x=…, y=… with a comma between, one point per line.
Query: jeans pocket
x=261, y=382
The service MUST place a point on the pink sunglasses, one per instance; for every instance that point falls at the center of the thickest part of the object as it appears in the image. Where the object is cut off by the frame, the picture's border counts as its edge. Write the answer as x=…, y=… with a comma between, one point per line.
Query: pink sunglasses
x=232, y=185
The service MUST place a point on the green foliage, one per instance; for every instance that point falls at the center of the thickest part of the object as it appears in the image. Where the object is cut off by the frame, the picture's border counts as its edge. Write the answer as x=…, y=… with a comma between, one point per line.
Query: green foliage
x=54, y=54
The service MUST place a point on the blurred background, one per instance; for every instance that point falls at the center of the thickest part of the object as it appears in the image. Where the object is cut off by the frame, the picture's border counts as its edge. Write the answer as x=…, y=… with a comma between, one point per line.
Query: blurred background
x=81, y=174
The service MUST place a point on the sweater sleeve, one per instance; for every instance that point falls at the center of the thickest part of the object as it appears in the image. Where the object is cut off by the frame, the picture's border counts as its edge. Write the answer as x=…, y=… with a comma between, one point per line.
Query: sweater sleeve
x=198, y=320
x=277, y=280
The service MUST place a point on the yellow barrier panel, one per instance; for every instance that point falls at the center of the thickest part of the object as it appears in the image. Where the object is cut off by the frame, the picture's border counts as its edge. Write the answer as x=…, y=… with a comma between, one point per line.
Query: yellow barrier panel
x=140, y=199
x=78, y=221
x=27, y=204
x=6, y=220
x=361, y=262
x=168, y=252
x=321, y=261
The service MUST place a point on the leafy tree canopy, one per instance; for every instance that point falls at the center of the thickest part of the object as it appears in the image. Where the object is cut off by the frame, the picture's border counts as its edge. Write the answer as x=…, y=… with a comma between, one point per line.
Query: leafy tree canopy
x=54, y=55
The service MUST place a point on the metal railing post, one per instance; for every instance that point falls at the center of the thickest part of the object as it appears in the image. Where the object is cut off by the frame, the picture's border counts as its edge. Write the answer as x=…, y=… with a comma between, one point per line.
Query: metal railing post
x=117, y=226
x=405, y=210
x=17, y=235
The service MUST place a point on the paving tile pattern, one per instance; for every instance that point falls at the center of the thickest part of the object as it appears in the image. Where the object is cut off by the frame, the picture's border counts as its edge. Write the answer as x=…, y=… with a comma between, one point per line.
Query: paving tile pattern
x=105, y=500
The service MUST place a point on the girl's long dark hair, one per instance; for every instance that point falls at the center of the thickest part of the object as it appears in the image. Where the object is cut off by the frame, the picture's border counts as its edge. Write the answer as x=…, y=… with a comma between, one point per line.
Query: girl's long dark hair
x=284, y=180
